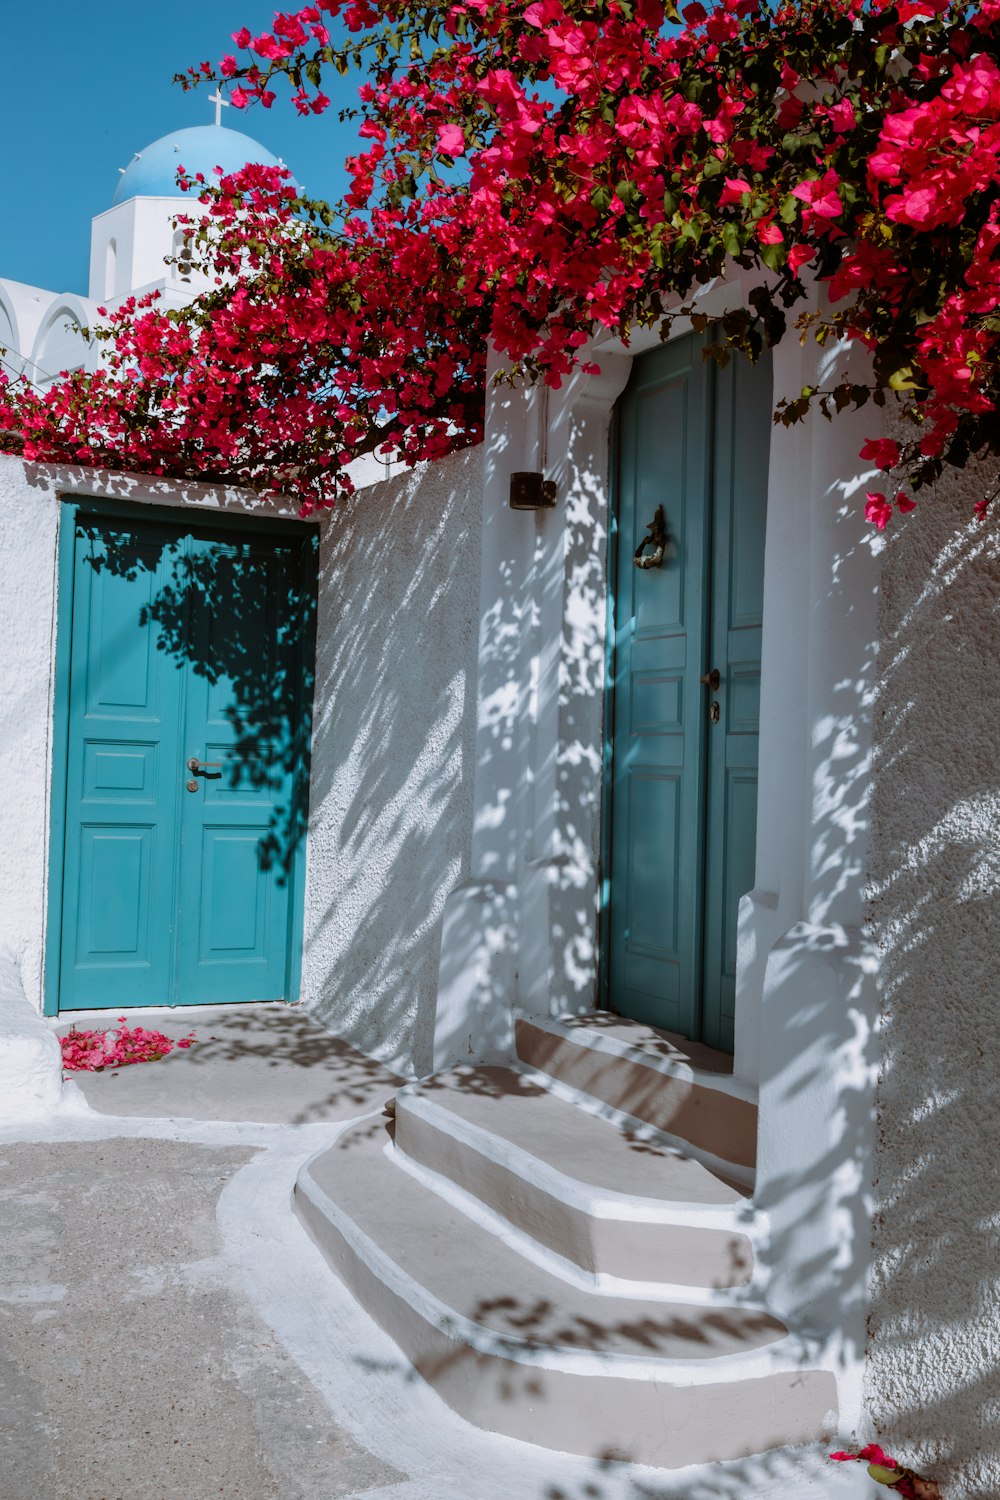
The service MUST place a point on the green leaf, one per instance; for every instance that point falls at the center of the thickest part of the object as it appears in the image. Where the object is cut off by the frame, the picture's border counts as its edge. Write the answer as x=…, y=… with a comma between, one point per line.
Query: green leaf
x=882, y=1475
x=731, y=239
x=900, y=380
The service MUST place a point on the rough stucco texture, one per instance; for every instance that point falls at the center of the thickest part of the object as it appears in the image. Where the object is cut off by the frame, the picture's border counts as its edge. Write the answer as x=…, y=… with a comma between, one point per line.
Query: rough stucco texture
x=933, y=1387
x=28, y=519
x=393, y=753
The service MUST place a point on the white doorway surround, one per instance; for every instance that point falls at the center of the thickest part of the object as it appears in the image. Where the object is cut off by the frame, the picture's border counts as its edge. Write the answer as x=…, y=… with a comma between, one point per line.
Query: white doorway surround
x=520, y=935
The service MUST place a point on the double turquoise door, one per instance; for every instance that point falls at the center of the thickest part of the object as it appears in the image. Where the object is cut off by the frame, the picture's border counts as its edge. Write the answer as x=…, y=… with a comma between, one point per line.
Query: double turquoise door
x=683, y=753
x=185, y=686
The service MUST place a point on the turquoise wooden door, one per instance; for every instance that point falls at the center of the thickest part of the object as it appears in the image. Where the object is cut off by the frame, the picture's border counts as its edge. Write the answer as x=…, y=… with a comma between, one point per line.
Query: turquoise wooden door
x=188, y=679
x=682, y=792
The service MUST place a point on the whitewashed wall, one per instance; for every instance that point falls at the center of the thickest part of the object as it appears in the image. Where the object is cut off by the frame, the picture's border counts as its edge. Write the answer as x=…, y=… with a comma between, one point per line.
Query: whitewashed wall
x=933, y=1387
x=394, y=732
x=29, y=515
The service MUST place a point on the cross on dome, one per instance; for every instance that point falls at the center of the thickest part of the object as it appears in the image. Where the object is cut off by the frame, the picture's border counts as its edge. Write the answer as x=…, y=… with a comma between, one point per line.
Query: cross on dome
x=220, y=104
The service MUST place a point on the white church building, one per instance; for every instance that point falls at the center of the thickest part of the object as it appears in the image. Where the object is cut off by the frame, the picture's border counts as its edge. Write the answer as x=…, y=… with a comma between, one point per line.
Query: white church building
x=618, y=785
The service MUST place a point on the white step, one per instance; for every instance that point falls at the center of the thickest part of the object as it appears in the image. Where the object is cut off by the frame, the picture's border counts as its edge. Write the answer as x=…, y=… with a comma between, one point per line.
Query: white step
x=521, y=1351
x=679, y=1088
x=617, y=1207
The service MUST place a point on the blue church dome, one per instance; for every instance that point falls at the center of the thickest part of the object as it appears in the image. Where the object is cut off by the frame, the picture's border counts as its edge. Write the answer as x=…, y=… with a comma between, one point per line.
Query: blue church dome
x=152, y=172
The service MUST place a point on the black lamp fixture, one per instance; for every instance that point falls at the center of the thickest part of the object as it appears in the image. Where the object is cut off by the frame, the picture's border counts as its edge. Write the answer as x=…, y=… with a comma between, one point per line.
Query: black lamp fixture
x=529, y=491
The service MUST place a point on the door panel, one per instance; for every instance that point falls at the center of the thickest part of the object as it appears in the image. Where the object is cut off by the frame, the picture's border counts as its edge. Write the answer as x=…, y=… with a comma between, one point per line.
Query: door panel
x=186, y=642
x=241, y=709
x=121, y=795
x=655, y=958
x=683, y=790
x=741, y=451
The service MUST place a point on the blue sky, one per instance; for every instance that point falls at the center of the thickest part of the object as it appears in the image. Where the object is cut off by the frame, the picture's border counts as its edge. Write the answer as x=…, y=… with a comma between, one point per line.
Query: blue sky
x=85, y=86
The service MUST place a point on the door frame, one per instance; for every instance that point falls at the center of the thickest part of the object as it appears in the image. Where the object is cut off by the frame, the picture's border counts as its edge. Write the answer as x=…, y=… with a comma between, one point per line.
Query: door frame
x=615, y=562
x=71, y=507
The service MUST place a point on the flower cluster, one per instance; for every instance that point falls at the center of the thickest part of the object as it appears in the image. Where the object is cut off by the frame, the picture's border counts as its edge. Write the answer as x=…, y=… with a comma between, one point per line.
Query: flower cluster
x=93, y=1051
x=885, y=1470
x=535, y=169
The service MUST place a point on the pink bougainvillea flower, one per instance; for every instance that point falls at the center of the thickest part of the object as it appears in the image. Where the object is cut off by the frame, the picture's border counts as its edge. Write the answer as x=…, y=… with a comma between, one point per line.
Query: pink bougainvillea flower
x=799, y=256
x=879, y=511
x=734, y=190
x=883, y=452
x=885, y=1470
x=94, y=1051
x=451, y=140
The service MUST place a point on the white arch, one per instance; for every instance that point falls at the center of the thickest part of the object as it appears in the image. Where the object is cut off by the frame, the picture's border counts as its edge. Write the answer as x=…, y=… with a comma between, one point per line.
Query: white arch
x=22, y=311
x=58, y=345
x=10, y=339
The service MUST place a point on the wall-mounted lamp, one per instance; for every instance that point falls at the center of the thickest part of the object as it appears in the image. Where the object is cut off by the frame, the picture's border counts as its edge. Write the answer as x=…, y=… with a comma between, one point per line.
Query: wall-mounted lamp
x=529, y=491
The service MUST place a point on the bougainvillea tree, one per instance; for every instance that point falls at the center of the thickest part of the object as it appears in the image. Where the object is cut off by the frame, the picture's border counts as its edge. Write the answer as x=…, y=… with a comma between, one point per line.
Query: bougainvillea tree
x=534, y=170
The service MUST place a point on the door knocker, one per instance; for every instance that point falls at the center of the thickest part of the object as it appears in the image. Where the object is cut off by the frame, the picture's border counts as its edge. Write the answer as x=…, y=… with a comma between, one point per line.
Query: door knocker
x=657, y=539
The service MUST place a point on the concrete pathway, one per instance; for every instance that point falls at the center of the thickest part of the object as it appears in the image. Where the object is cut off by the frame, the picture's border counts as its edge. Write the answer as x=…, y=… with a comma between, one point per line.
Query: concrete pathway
x=169, y=1332
x=267, y=1063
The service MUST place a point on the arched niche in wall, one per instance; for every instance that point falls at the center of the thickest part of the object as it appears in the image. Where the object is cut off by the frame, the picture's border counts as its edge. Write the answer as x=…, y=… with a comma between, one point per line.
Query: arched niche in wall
x=9, y=338
x=111, y=268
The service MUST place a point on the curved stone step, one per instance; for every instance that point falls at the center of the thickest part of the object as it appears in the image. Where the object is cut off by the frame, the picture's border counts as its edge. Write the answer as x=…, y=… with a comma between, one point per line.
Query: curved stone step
x=619, y=1207
x=517, y=1350
x=679, y=1089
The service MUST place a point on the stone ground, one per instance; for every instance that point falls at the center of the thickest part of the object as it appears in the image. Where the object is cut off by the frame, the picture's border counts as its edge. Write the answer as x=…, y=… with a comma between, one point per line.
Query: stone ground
x=169, y=1332
x=127, y=1354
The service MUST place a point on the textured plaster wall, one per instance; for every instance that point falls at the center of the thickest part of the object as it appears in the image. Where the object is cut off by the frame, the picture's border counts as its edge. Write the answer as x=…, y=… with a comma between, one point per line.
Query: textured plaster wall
x=28, y=522
x=394, y=740
x=933, y=1386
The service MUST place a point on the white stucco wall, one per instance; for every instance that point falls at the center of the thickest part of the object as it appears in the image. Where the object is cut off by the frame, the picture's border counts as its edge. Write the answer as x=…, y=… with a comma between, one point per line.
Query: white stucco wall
x=391, y=802
x=28, y=525
x=933, y=1388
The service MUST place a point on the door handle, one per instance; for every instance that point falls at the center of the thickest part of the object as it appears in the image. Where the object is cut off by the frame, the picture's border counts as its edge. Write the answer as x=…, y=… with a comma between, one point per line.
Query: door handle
x=198, y=766
x=712, y=680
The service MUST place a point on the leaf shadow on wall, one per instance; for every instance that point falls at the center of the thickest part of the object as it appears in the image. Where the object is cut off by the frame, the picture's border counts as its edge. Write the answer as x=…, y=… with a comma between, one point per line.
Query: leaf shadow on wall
x=935, y=903
x=393, y=750
x=231, y=611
